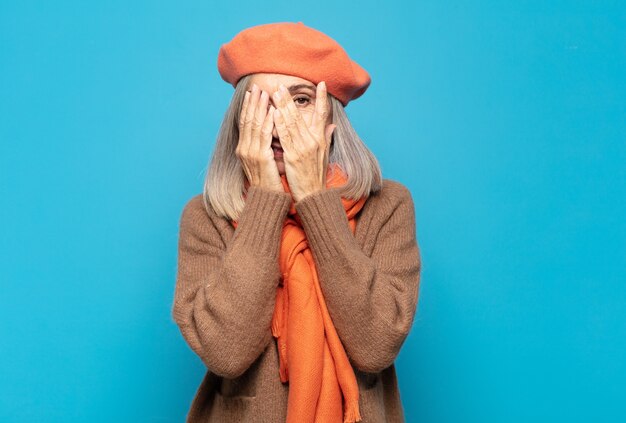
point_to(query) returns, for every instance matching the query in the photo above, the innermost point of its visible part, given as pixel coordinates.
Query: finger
(266, 132)
(247, 127)
(283, 132)
(257, 121)
(242, 145)
(242, 114)
(329, 134)
(321, 107)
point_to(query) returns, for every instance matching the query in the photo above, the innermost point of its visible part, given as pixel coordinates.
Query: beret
(293, 49)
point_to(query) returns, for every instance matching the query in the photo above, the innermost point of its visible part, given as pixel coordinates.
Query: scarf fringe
(276, 325)
(352, 414)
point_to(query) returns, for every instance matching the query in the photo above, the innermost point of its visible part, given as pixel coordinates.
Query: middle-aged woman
(296, 237)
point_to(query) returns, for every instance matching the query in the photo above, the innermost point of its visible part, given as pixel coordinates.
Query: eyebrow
(298, 86)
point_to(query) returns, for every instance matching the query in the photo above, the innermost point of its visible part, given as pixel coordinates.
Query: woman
(296, 239)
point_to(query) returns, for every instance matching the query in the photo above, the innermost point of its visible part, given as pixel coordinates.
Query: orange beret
(293, 49)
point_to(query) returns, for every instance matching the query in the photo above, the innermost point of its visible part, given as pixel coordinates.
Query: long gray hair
(225, 179)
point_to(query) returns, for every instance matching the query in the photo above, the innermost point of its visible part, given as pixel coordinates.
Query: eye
(306, 99)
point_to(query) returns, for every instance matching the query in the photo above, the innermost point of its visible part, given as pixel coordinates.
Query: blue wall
(507, 121)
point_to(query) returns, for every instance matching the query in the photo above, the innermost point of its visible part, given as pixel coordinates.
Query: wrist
(307, 193)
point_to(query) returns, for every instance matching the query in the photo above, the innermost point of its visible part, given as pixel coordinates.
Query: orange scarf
(312, 357)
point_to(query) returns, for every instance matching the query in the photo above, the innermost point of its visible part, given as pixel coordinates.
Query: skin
(300, 120)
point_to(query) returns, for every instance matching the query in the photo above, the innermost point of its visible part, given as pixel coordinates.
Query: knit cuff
(325, 223)
(261, 221)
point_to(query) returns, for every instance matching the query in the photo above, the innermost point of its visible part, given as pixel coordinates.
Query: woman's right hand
(255, 138)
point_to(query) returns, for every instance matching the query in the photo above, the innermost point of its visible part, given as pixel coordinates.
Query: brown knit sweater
(226, 286)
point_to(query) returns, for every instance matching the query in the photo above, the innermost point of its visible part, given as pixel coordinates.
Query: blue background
(506, 120)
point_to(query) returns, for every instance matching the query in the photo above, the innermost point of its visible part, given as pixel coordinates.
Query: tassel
(282, 340)
(283, 370)
(352, 412)
(277, 318)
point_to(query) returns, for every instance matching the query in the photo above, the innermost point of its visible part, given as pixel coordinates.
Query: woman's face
(303, 95)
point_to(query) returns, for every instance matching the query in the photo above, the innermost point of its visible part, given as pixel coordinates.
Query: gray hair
(225, 179)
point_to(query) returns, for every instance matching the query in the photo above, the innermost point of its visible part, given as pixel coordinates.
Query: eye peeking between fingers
(301, 100)
(305, 103)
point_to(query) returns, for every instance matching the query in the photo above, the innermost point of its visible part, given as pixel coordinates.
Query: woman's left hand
(305, 148)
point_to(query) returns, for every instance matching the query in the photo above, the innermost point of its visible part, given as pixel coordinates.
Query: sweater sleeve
(225, 292)
(372, 300)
